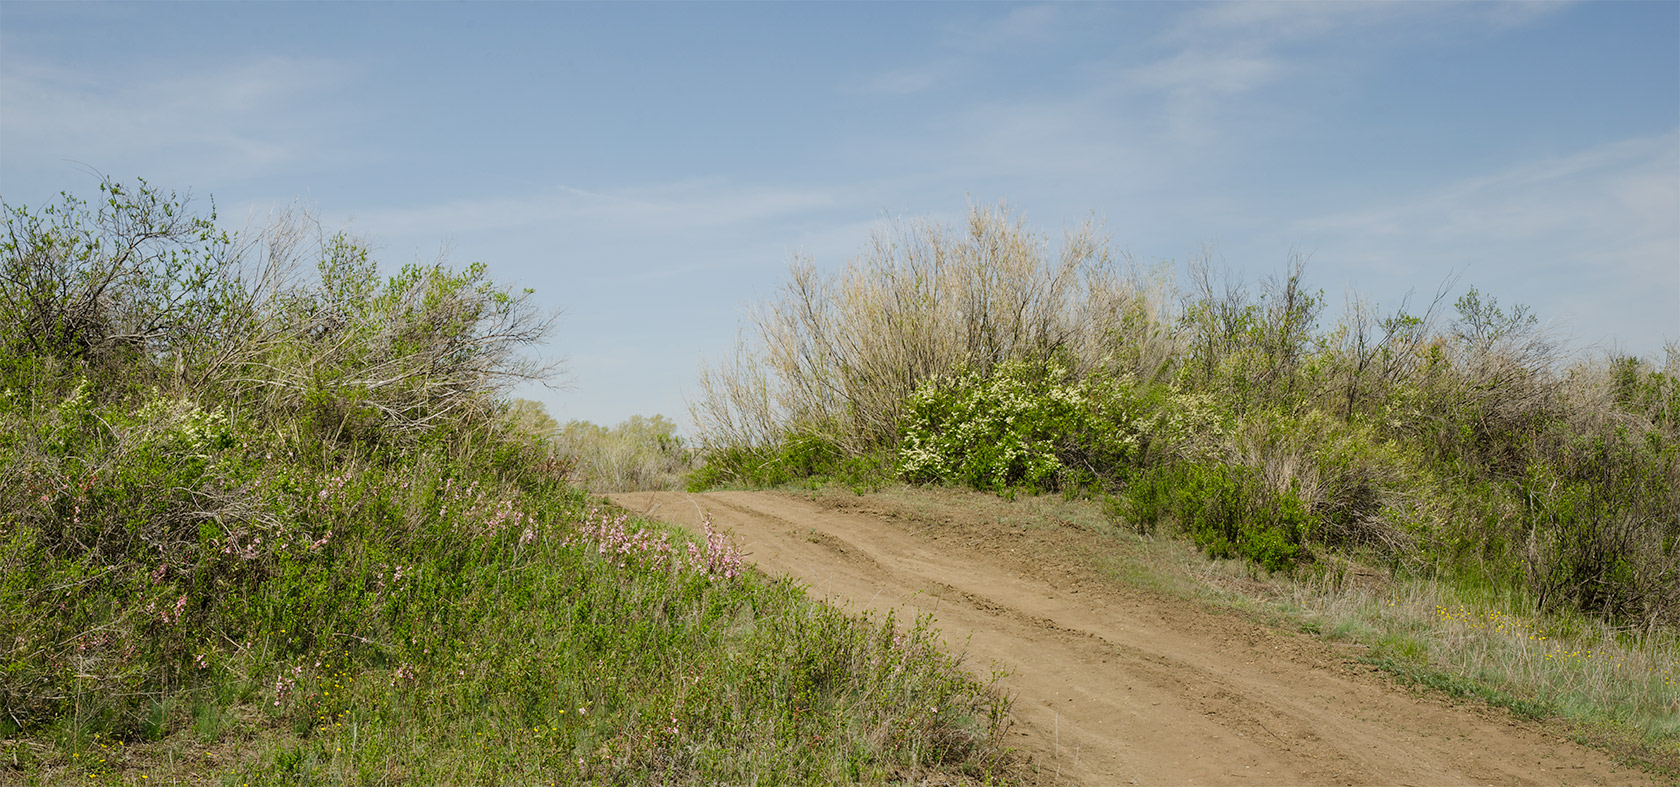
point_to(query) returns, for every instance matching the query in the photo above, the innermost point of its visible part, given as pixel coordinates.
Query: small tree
(136, 275)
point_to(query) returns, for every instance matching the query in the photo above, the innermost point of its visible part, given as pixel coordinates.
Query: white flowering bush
(180, 425)
(1032, 426)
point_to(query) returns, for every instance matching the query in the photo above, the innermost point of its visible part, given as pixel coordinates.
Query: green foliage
(1482, 324)
(605, 664)
(1650, 395)
(1251, 351)
(1463, 445)
(1032, 426)
(837, 353)
(803, 458)
(1225, 509)
(323, 536)
(366, 360)
(529, 417)
(135, 275)
(1408, 667)
(1601, 532)
(1352, 482)
(999, 432)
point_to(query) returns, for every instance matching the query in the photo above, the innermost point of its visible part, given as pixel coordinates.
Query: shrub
(1252, 352)
(800, 457)
(994, 434)
(1027, 425)
(1225, 509)
(136, 276)
(839, 355)
(1341, 471)
(1462, 439)
(1035, 426)
(326, 531)
(1600, 536)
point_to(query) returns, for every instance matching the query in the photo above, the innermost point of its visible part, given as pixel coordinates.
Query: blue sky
(651, 167)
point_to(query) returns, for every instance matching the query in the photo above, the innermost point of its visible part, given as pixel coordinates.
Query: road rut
(1116, 685)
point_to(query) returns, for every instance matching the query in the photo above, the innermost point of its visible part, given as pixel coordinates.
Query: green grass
(322, 550)
(799, 461)
(1613, 688)
(573, 666)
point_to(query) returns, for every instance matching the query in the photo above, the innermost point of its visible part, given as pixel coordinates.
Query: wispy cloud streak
(666, 209)
(252, 116)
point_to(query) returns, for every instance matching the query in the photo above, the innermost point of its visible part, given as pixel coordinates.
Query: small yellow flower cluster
(334, 691)
(100, 765)
(1492, 621)
(1501, 622)
(1577, 658)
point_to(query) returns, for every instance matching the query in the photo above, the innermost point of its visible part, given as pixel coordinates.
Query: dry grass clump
(1494, 646)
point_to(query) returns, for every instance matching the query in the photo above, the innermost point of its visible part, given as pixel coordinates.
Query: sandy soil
(1114, 684)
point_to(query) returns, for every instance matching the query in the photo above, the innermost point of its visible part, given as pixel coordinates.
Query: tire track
(1113, 686)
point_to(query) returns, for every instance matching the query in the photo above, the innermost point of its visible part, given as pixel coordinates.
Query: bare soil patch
(1119, 684)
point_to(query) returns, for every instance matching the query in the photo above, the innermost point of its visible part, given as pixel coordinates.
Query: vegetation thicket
(640, 453)
(1456, 442)
(266, 517)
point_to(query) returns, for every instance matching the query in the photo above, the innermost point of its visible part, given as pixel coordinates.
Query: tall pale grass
(1576, 666)
(837, 354)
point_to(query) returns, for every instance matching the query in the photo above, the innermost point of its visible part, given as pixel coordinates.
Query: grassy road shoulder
(1578, 679)
(267, 518)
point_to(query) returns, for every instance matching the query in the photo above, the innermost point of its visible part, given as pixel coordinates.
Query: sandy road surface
(1115, 685)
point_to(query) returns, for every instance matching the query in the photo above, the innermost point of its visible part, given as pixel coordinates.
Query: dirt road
(1118, 685)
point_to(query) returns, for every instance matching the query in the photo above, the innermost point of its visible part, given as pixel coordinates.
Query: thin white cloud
(1516, 13)
(963, 46)
(1074, 137)
(1628, 187)
(1592, 238)
(250, 117)
(1214, 56)
(1260, 27)
(1022, 25)
(1222, 50)
(1193, 72)
(1271, 23)
(909, 80)
(667, 208)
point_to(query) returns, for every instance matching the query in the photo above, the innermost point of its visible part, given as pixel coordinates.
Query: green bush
(800, 458)
(994, 433)
(324, 536)
(1225, 509)
(1032, 426)
(1459, 439)
(1600, 532)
